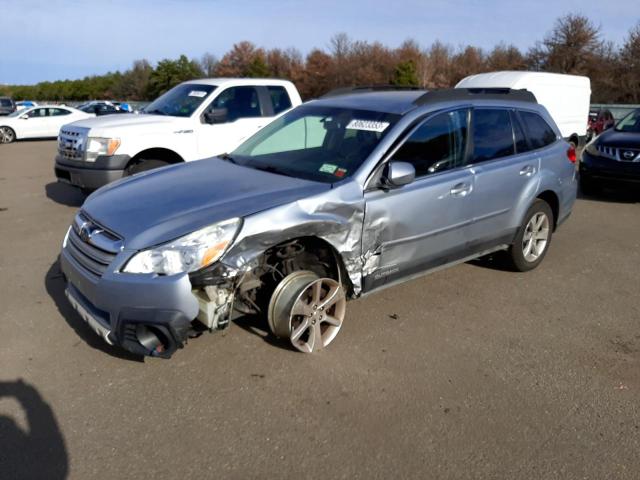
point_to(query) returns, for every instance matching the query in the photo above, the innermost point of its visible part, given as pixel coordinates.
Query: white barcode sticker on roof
(197, 93)
(368, 125)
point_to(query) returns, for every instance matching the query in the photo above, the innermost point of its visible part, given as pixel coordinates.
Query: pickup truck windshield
(323, 144)
(630, 123)
(180, 101)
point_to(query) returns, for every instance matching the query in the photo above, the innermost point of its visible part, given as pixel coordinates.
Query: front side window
(37, 113)
(180, 101)
(492, 134)
(324, 144)
(279, 99)
(240, 102)
(437, 145)
(630, 123)
(538, 131)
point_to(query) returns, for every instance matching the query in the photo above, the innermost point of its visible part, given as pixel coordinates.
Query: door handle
(528, 170)
(460, 190)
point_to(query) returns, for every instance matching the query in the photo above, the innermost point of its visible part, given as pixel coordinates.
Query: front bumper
(91, 175)
(122, 307)
(605, 169)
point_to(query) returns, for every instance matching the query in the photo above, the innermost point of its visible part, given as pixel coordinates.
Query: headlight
(100, 146)
(186, 254)
(592, 149)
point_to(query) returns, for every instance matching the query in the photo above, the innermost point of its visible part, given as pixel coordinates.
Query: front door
(424, 224)
(246, 114)
(36, 124)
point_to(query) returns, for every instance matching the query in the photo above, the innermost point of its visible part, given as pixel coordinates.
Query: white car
(194, 120)
(42, 121)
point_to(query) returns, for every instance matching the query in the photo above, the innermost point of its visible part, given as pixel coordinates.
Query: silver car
(340, 197)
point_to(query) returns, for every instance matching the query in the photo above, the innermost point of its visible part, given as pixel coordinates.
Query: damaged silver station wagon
(337, 198)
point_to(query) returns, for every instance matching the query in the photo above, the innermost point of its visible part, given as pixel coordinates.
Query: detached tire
(143, 166)
(7, 135)
(533, 238)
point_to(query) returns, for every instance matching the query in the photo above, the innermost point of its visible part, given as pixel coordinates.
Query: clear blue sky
(57, 39)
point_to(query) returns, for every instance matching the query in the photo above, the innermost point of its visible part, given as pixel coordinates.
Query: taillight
(571, 154)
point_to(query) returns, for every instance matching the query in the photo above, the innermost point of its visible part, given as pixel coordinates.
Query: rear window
(492, 134)
(538, 131)
(5, 102)
(279, 99)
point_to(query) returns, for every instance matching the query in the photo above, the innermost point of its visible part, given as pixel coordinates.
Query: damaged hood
(161, 205)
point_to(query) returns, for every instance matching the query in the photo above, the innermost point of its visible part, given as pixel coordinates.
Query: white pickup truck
(194, 120)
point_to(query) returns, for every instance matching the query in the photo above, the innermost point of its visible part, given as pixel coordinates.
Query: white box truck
(566, 97)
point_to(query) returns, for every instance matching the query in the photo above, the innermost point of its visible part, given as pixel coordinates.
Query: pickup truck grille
(91, 246)
(72, 143)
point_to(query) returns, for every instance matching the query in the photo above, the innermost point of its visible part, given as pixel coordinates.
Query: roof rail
(368, 88)
(451, 94)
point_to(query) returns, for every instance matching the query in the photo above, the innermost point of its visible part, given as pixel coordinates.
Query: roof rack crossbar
(368, 88)
(451, 94)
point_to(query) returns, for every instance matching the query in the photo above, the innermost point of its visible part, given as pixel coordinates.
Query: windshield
(630, 123)
(180, 101)
(324, 144)
(17, 113)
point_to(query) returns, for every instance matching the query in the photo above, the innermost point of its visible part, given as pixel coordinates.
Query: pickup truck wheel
(533, 238)
(7, 135)
(308, 310)
(144, 165)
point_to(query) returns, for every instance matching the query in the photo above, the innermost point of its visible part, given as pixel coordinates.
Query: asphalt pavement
(472, 372)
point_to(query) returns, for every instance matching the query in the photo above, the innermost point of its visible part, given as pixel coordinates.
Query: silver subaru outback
(342, 196)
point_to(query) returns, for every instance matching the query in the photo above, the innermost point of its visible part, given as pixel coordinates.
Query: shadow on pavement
(257, 325)
(55, 285)
(38, 452)
(64, 194)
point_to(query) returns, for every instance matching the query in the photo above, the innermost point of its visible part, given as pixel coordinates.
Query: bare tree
(629, 68)
(505, 57)
(208, 63)
(571, 45)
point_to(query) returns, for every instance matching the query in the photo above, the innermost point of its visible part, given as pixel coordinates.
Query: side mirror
(400, 173)
(24, 117)
(216, 115)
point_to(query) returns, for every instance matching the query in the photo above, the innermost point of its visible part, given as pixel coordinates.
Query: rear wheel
(533, 238)
(144, 165)
(308, 310)
(7, 135)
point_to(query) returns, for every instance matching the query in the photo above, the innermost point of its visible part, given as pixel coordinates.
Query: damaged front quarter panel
(335, 216)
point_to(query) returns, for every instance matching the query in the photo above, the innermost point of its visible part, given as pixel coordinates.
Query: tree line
(574, 45)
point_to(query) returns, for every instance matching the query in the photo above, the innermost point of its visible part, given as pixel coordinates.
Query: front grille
(620, 154)
(71, 143)
(91, 246)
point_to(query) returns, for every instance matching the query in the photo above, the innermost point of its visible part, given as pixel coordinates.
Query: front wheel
(533, 238)
(143, 166)
(308, 310)
(7, 135)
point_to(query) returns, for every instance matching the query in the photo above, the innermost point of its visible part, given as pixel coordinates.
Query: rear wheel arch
(551, 198)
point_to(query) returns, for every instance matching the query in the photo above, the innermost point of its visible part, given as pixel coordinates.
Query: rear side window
(56, 112)
(538, 131)
(279, 99)
(437, 145)
(240, 102)
(492, 134)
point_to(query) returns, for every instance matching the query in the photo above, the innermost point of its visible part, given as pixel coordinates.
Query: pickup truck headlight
(186, 254)
(100, 146)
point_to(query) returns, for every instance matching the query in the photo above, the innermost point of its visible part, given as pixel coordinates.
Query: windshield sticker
(368, 125)
(341, 172)
(328, 168)
(197, 93)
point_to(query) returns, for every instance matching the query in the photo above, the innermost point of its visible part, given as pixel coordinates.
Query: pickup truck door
(424, 224)
(248, 109)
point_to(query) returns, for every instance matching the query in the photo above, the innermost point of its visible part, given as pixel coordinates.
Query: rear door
(423, 224)
(248, 108)
(506, 171)
(57, 118)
